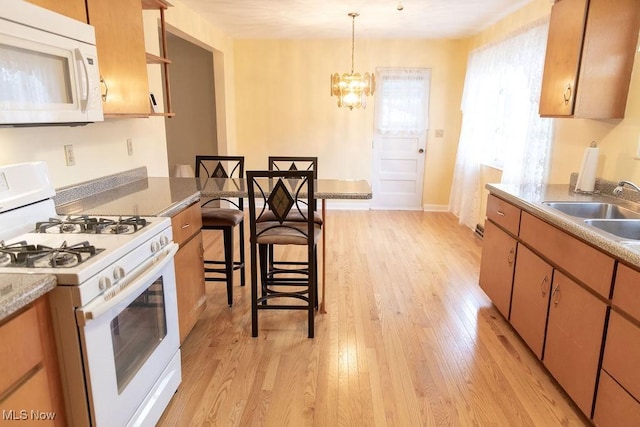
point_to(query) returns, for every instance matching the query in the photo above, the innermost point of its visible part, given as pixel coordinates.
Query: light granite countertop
(530, 199)
(152, 196)
(18, 290)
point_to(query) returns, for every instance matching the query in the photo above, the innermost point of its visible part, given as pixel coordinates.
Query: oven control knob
(104, 283)
(155, 246)
(118, 273)
(164, 240)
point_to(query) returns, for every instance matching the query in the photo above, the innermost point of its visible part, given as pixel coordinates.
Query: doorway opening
(193, 130)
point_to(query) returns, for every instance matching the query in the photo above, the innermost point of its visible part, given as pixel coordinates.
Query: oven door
(129, 337)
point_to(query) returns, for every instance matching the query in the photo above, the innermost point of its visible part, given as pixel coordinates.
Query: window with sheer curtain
(500, 122)
(402, 104)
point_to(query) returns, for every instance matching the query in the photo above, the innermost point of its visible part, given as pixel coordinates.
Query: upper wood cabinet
(121, 56)
(75, 9)
(589, 59)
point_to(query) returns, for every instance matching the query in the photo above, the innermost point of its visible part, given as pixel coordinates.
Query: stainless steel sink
(593, 210)
(625, 228)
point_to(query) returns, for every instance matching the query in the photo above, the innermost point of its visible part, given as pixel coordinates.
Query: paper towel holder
(587, 176)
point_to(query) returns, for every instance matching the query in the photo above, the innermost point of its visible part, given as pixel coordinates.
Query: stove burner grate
(84, 224)
(21, 254)
(9, 253)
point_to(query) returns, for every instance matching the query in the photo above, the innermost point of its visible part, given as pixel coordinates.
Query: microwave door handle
(84, 81)
(141, 274)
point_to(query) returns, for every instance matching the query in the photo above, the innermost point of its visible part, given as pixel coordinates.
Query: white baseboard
(435, 208)
(348, 205)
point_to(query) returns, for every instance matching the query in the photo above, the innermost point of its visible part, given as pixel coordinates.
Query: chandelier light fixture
(352, 88)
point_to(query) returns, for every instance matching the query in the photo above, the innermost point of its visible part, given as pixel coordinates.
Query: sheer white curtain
(402, 105)
(500, 122)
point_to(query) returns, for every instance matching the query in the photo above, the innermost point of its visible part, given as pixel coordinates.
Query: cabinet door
(608, 53)
(496, 267)
(189, 262)
(564, 48)
(121, 56)
(614, 406)
(72, 8)
(574, 339)
(530, 301)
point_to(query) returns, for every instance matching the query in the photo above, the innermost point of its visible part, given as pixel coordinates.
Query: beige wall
(284, 105)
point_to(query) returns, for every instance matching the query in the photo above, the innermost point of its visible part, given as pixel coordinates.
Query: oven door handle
(129, 285)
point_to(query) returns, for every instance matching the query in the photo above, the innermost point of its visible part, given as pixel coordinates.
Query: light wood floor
(409, 340)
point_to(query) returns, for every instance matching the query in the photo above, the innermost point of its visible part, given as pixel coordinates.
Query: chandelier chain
(353, 37)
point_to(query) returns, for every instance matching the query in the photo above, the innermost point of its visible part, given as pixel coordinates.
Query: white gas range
(114, 310)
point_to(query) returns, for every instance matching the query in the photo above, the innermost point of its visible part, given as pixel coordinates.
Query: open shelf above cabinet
(163, 59)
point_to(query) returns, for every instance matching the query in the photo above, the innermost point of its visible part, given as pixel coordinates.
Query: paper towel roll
(587, 176)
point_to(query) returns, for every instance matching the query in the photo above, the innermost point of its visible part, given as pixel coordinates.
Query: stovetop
(77, 248)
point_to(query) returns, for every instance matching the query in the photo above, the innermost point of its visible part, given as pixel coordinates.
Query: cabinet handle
(567, 94)
(556, 294)
(187, 225)
(500, 213)
(106, 88)
(512, 256)
(542, 287)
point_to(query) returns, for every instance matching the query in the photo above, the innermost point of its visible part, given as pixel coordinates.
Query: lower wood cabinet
(30, 386)
(189, 264)
(530, 300)
(496, 267)
(614, 406)
(574, 339)
(190, 282)
(618, 398)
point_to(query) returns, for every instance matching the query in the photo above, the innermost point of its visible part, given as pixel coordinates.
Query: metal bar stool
(281, 194)
(215, 217)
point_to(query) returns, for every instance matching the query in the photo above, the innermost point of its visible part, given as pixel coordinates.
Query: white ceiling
(423, 19)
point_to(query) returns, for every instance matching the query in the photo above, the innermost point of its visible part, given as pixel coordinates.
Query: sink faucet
(618, 190)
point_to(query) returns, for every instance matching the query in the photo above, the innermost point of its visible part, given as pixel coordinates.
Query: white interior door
(398, 172)
(400, 134)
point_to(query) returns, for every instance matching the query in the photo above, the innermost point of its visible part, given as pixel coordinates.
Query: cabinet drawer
(587, 264)
(504, 214)
(21, 350)
(626, 292)
(622, 353)
(186, 223)
(33, 395)
(614, 406)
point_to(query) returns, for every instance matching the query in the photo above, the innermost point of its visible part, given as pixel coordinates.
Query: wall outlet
(439, 133)
(69, 157)
(130, 147)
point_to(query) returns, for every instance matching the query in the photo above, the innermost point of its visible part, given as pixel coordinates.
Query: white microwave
(48, 68)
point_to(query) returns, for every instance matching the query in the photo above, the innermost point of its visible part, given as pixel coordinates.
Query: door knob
(421, 150)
